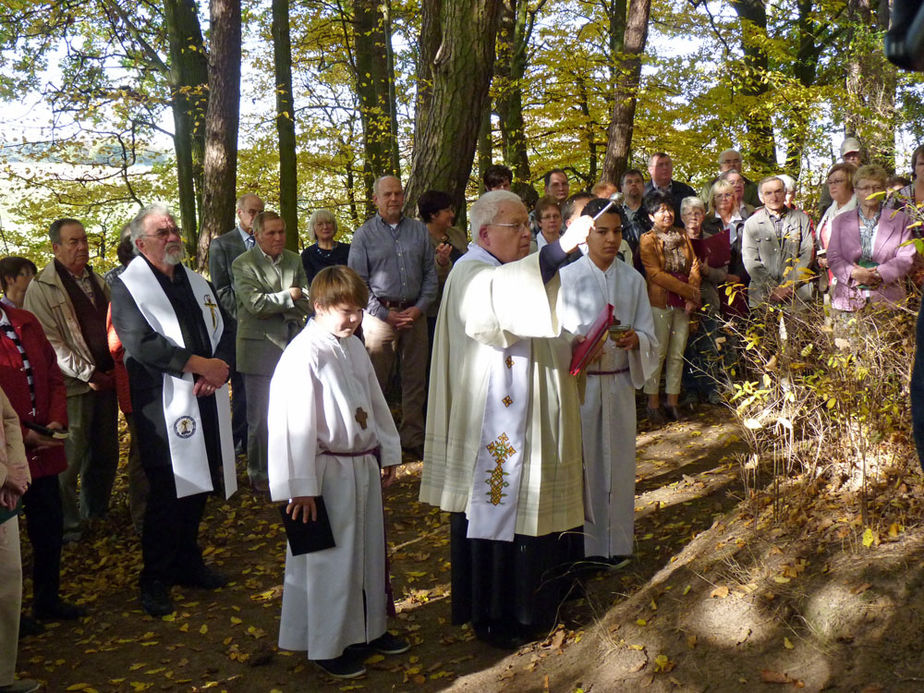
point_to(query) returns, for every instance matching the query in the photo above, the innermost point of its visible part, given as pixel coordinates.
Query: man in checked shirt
(394, 257)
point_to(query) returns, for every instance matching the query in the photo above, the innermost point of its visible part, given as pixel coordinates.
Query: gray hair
(486, 208)
(137, 224)
(378, 181)
(242, 200)
(728, 151)
(690, 202)
(788, 182)
(319, 215)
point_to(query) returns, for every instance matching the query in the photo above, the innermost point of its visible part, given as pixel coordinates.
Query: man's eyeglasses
(161, 234)
(514, 225)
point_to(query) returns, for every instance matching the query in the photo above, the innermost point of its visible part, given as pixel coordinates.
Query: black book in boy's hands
(306, 537)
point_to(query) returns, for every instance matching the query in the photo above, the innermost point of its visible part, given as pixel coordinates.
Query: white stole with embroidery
(188, 455)
(492, 511)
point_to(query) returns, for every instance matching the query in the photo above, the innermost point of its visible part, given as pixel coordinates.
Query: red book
(595, 335)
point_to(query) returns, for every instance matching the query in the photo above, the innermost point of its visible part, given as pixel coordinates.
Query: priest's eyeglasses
(164, 233)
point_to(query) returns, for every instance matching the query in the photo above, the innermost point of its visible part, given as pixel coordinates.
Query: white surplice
(316, 393)
(608, 410)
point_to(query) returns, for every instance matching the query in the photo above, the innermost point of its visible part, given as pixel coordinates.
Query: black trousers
(518, 583)
(45, 526)
(170, 537)
(238, 410)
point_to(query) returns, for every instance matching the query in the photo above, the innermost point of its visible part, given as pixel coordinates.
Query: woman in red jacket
(30, 377)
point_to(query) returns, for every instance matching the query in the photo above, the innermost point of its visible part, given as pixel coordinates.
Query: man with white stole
(628, 358)
(502, 450)
(178, 344)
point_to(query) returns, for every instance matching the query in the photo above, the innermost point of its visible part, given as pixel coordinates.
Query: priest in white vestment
(502, 450)
(628, 359)
(330, 431)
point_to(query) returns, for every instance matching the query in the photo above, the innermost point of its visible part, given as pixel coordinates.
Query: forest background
(108, 107)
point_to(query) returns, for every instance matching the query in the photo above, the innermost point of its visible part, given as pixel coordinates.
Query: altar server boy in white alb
(608, 410)
(331, 434)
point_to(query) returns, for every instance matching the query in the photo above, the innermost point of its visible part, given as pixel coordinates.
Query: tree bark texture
(627, 75)
(285, 122)
(221, 124)
(871, 83)
(515, 26)
(759, 140)
(461, 67)
(375, 88)
(188, 80)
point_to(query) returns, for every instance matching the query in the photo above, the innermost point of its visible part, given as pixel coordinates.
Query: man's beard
(174, 255)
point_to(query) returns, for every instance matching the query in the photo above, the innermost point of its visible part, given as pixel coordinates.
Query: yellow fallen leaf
(641, 622)
(780, 579)
(235, 621)
(868, 537)
(78, 687)
(894, 529)
(787, 643)
(203, 629)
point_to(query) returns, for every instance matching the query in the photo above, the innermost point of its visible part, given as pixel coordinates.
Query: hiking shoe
(203, 577)
(342, 667)
(389, 644)
(155, 599)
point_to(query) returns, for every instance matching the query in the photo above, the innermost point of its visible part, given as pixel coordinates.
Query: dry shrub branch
(822, 402)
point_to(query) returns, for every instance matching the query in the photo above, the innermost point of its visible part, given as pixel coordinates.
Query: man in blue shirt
(394, 257)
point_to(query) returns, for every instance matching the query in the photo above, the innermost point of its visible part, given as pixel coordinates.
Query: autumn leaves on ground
(730, 590)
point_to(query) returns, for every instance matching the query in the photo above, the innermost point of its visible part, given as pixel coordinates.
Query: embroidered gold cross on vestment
(212, 306)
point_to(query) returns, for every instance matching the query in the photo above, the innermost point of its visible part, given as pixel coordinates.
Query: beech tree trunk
(515, 26)
(871, 82)
(375, 88)
(760, 145)
(221, 124)
(188, 79)
(626, 75)
(285, 122)
(461, 70)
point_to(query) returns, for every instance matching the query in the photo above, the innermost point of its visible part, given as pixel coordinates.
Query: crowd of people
(474, 335)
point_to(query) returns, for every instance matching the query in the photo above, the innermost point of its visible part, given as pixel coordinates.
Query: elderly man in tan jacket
(71, 301)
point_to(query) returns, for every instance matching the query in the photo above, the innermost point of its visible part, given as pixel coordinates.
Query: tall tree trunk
(805, 69)
(515, 26)
(285, 122)
(375, 88)
(188, 79)
(626, 75)
(590, 137)
(759, 139)
(485, 143)
(221, 124)
(871, 82)
(461, 67)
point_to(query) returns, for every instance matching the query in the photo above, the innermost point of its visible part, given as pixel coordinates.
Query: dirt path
(226, 640)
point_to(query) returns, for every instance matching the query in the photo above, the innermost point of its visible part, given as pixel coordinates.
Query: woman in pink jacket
(866, 254)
